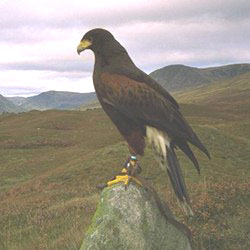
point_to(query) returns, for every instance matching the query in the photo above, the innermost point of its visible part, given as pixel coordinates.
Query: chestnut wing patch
(138, 101)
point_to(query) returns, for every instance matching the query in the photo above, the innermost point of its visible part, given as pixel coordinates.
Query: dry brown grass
(48, 177)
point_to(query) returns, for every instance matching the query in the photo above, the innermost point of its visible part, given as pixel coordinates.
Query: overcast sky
(38, 38)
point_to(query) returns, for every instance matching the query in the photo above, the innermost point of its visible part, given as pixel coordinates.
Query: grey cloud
(51, 65)
(157, 33)
(195, 59)
(157, 11)
(17, 90)
(23, 27)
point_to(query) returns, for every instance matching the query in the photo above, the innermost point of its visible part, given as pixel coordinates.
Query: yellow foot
(123, 178)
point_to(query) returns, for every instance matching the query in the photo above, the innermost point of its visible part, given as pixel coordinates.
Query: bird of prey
(140, 108)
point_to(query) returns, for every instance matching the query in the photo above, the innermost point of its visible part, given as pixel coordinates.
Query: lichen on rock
(132, 219)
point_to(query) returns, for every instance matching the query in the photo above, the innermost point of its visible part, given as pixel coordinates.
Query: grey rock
(134, 219)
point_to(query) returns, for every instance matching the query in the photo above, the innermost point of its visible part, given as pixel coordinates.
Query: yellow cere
(85, 44)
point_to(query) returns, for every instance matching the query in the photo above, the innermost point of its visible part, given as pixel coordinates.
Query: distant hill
(231, 95)
(57, 100)
(90, 105)
(18, 100)
(173, 78)
(178, 77)
(8, 106)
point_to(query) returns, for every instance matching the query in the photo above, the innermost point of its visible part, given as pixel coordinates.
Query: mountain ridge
(18, 100)
(174, 78)
(8, 106)
(57, 100)
(177, 77)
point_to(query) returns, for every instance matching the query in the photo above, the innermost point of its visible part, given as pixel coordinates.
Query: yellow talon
(123, 178)
(119, 178)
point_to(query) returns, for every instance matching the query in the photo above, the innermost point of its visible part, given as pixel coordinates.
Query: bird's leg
(128, 173)
(132, 166)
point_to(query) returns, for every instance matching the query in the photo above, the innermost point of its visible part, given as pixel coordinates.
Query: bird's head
(95, 40)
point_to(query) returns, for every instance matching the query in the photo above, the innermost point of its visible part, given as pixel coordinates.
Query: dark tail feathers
(196, 141)
(187, 150)
(177, 180)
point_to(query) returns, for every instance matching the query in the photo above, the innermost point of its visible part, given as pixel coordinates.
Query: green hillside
(18, 100)
(232, 92)
(51, 161)
(8, 106)
(179, 77)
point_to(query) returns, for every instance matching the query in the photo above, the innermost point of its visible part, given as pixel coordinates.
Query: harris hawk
(140, 108)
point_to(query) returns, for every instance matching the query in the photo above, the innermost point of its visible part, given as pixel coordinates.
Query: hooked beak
(84, 44)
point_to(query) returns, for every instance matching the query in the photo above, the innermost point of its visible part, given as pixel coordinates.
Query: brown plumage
(140, 107)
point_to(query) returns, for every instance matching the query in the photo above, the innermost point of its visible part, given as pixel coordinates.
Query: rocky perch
(134, 219)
